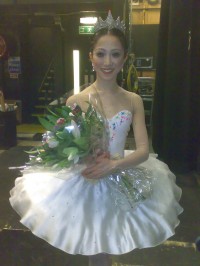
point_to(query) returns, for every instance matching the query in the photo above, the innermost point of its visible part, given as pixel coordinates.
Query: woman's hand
(100, 167)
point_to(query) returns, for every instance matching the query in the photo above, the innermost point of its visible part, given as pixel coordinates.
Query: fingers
(98, 168)
(96, 174)
(105, 155)
(95, 171)
(88, 170)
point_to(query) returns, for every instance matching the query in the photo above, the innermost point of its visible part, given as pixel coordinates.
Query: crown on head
(109, 23)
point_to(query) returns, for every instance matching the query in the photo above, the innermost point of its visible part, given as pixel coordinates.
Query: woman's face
(108, 57)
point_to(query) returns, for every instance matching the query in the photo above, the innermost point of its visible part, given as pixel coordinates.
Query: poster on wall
(14, 67)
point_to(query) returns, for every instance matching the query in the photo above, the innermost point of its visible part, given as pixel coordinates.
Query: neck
(106, 86)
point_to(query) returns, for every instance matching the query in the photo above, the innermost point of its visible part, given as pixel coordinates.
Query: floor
(178, 250)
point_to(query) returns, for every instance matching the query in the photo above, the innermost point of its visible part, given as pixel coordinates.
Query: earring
(92, 67)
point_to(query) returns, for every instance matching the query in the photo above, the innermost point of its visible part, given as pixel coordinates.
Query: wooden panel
(152, 17)
(145, 5)
(138, 17)
(145, 13)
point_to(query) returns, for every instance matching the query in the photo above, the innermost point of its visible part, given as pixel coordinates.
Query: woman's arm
(141, 153)
(81, 99)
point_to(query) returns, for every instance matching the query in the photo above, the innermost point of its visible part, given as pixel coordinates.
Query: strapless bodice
(119, 126)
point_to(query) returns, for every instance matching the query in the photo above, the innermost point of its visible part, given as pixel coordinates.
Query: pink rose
(60, 121)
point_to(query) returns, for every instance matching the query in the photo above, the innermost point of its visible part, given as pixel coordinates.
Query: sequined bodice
(119, 126)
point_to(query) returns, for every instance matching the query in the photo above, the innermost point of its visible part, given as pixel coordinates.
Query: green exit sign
(86, 29)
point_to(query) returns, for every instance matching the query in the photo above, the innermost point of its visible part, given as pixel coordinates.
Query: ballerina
(78, 215)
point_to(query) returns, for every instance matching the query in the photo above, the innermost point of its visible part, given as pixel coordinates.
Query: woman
(96, 219)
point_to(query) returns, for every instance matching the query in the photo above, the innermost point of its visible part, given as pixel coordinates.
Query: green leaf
(62, 164)
(36, 150)
(51, 112)
(82, 142)
(32, 152)
(60, 151)
(46, 124)
(64, 111)
(53, 119)
(64, 135)
(70, 151)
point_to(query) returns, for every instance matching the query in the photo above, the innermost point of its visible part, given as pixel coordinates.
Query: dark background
(32, 33)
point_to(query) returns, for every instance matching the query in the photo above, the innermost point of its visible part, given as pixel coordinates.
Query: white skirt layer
(79, 216)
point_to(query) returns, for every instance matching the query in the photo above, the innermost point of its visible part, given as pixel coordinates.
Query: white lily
(52, 143)
(76, 131)
(72, 153)
(74, 158)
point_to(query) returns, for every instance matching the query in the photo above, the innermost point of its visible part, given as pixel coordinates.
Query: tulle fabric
(79, 216)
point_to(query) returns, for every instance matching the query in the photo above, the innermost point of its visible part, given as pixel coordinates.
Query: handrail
(46, 74)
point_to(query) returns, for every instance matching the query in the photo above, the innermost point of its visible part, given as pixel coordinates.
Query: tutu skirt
(79, 216)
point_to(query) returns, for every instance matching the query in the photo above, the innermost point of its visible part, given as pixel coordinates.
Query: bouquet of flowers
(70, 138)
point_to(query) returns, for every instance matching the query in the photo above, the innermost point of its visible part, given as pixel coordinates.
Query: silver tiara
(109, 23)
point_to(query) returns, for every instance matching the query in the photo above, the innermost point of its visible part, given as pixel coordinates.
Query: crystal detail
(109, 23)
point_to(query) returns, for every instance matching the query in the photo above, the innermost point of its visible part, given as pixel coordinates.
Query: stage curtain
(176, 108)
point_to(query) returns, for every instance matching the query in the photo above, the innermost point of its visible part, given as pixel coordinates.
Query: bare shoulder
(135, 97)
(79, 98)
(71, 100)
(128, 93)
(134, 100)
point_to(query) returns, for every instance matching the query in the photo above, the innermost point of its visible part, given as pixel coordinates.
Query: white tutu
(79, 216)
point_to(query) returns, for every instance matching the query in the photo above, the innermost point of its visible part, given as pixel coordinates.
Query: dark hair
(114, 32)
